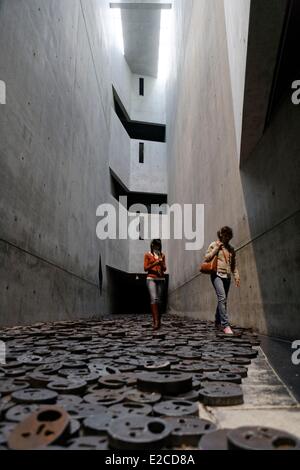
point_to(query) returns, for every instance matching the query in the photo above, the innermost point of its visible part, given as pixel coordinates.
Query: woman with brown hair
(221, 279)
(155, 266)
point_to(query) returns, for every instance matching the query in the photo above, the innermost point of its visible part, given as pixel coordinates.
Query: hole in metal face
(282, 443)
(49, 415)
(156, 427)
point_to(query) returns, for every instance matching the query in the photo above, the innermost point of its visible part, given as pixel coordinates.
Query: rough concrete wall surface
(54, 141)
(237, 27)
(150, 107)
(260, 200)
(150, 176)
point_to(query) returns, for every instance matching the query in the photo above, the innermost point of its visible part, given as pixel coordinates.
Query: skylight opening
(164, 63)
(117, 28)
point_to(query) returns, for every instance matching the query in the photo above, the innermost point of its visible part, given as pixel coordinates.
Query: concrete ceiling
(141, 32)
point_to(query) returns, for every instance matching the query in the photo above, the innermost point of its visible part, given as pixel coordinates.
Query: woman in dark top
(155, 266)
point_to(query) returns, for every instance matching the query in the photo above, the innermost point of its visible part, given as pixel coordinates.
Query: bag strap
(227, 260)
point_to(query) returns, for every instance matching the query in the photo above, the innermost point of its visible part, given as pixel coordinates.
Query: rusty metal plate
(172, 382)
(105, 397)
(89, 443)
(49, 369)
(73, 364)
(66, 400)
(239, 361)
(31, 360)
(221, 394)
(156, 365)
(99, 423)
(9, 386)
(196, 368)
(34, 395)
(138, 433)
(5, 429)
(216, 440)
(69, 385)
(137, 396)
(193, 395)
(131, 409)
(82, 411)
(234, 369)
(189, 430)
(175, 408)
(223, 377)
(77, 374)
(20, 412)
(116, 381)
(261, 438)
(248, 353)
(19, 372)
(41, 428)
(102, 369)
(38, 380)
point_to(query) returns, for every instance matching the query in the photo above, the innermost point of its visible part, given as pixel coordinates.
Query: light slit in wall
(141, 152)
(142, 87)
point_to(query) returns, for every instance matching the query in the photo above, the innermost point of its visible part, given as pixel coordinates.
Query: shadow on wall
(270, 180)
(270, 174)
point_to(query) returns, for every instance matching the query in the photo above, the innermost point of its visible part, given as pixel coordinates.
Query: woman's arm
(163, 263)
(147, 263)
(234, 268)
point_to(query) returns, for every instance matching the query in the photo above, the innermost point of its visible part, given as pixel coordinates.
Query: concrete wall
(152, 106)
(150, 176)
(260, 200)
(120, 151)
(118, 248)
(54, 144)
(121, 73)
(237, 14)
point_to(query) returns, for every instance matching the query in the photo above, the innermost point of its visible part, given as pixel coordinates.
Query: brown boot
(159, 307)
(155, 316)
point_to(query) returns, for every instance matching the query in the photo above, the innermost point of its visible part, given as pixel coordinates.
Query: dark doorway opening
(128, 293)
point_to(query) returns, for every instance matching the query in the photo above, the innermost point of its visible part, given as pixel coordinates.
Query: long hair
(225, 231)
(156, 243)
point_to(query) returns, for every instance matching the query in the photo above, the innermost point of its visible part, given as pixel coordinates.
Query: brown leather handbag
(210, 267)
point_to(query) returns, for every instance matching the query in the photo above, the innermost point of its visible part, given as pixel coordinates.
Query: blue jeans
(222, 287)
(156, 291)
